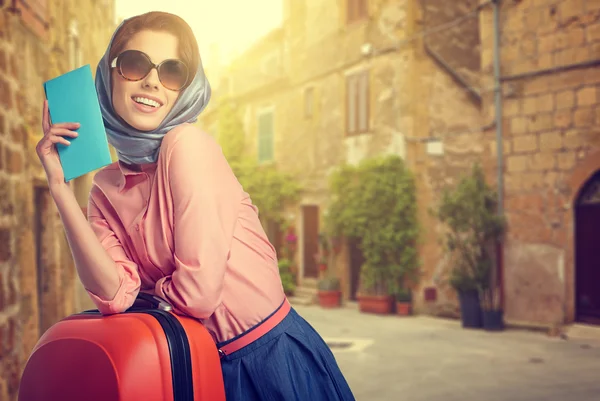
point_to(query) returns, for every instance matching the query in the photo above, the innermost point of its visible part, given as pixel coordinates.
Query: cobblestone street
(427, 359)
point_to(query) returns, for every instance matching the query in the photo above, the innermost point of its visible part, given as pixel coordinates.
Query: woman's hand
(46, 147)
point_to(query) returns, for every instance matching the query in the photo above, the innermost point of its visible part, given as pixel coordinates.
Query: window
(308, 102)
(265, 137)
(357, 103)
(34, 15)
(356, 10)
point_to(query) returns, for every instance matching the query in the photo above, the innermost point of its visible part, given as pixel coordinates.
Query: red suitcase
(146, 353)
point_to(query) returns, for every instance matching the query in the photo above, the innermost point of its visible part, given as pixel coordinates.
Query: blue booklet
(72, 97)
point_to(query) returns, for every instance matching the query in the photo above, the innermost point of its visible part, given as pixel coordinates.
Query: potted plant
(474, 229)
(328, 292)
(492, 313)
(403, 302)
(374, 203)
(374, 295)
(468, 298)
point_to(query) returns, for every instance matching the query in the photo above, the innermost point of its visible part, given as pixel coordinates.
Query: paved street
(425, 359)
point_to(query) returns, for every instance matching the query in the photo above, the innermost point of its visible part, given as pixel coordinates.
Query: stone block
(546, 44)
(545, 102)
(543, 161)
(525, 143)
(584, 117)
(518, 125)
(563, 118)
(531, 180)
(3, 62)
(565, 99)
(517, 163)
(6, 246)
(587, 96)
(6, 93)
(572, 55)
(540, 122)
(574, 139)
(545, 61)
(15, 162)
(566, 160)
(592, 5)
(571, 38)
(593, 33)
(512, 108)
(529, 105)
(528, 47)
(571, 9)
(551, 140)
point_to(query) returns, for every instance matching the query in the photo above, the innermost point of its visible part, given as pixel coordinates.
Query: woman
(170, 218)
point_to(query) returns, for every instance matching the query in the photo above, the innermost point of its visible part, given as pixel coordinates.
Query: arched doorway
(587, 252)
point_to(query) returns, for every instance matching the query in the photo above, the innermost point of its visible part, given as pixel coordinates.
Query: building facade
(39, 40)
(415, 78)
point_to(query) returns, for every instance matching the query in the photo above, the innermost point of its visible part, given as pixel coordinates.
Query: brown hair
(160, 21)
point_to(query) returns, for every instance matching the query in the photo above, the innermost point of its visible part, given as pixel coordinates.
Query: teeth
(146, 101)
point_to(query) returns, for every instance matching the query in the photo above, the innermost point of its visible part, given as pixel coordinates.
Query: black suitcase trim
(179, 351)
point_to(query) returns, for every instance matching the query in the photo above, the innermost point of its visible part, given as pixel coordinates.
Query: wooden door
(310, 236)
(587, 237)
(587, 260)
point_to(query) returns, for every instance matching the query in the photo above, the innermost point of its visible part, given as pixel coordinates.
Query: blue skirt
(289, 363)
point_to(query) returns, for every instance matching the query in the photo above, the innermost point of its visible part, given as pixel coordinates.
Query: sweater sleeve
(128, 270)
(206, 199)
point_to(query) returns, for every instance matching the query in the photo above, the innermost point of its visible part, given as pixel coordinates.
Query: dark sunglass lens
(134, 65)
(173, 74)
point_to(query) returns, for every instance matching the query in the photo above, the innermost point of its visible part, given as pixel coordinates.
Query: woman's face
(128, 96)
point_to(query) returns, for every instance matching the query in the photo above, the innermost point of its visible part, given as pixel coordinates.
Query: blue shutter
(265, 137)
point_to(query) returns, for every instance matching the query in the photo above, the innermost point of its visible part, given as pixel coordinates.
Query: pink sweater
(184, 229)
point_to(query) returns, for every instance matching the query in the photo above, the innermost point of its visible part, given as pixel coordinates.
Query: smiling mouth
(146, 101)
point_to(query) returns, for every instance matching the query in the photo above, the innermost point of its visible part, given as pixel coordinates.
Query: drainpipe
(499, 146)
(498, 103)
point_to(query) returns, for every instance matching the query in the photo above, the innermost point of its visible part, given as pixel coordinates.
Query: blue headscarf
(140, 147)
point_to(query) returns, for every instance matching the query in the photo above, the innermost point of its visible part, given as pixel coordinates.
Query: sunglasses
(134, 65)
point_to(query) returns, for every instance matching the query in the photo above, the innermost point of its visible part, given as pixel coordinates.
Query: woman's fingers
(67, 125)
(60, 131)
(58, 139)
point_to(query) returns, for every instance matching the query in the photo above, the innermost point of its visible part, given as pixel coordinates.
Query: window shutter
(363, 102)
(265, 137)
(351, 100)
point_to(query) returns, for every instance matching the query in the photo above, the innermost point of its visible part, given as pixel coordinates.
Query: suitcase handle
(156, 302)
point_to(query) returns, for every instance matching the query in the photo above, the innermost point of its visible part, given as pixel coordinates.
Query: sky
(233, 25)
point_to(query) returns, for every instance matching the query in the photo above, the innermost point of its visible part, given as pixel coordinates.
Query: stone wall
(551, 135)
(418, 109)
(38, 282)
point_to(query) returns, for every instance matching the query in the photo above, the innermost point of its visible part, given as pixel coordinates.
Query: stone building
(342, 80)
(550, 57)
(357, 82)
(38, 283)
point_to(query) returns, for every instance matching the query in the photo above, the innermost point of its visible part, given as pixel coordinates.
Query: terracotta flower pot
(379, 304)
(403, 308)
(329, 299)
